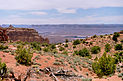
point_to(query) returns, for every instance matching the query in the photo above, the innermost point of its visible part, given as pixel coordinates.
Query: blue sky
(61, 12)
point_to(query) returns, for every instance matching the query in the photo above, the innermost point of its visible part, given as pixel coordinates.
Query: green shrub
(65, 52)
(46, 49)
(118, 57)
(86, 79)
(107, 47)
(23, 56)
(56, 63)
(76, 53)
(118, 47)
(53, 46)
(104, 66)
(3, 69)
(96, 58)
(120, 74)
(114, 38)
(101, 36)
(95, 49)
(84, 52)
(121, 41)
(76, 42)
(61, 49)
(66, 40)
(3, 47)
(66, 45)
(74, 46)
(55, 51)
(116, 34)
(91, 43)
(94, 36)
(36, 46)
(45, 44)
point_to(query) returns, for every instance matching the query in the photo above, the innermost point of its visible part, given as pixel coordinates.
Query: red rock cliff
(24, 34)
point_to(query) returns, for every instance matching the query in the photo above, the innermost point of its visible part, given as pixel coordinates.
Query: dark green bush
(95, 49)
(66, 40)
(104, 66)
(36, 46)
(23, 56)
(94, 36)
(74, 46)
(61, 49)
(121, 41)
(46, 49)
(91, 43)
(118, 47)
(118, 57)
(53, 46)
(3, 47)
(107, 47)
(45, 44)
(116, 34)
(55, 51)
(65, 52)
(76, 52)
(84, 52)
(101, 36)
(76, 42)
(3, 69)
(114, 38)
(66, 45)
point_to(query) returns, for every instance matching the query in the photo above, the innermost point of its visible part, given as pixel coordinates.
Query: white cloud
(67, 10)
(59, 4)
(37, 13)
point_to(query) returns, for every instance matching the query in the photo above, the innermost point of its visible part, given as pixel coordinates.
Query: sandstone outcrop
(3, 34)
(24, 34)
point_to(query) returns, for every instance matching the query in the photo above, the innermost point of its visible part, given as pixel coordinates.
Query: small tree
(118, 57)
(3, 69)
(107, 47)
(94, 36)
(66, 40)
(95, 49)
(104, 66)
(53, 46)
(66, 45)
(23, 56)
(61, 49)
(84, 52)
(36, 46)
(116, 34)
(118, 47)
(46, 49)
(3, 47)
(74, 46)
(76, 42)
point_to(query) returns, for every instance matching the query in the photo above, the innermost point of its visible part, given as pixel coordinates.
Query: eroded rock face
(3, 34)
(24, 34)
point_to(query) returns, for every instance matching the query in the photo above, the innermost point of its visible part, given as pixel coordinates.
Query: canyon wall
(24, 34)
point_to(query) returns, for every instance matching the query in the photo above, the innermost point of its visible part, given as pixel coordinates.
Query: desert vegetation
(92, 59)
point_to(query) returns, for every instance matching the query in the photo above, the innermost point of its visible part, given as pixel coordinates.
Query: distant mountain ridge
(59, 32)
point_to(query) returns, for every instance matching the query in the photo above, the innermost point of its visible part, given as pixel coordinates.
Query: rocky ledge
(24, 34)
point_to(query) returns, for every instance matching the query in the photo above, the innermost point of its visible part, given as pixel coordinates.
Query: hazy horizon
(61, 12)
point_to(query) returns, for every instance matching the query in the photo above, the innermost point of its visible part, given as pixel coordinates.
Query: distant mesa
(22, 34)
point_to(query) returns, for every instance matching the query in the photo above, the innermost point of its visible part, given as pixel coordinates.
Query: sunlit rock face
(24, 34)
